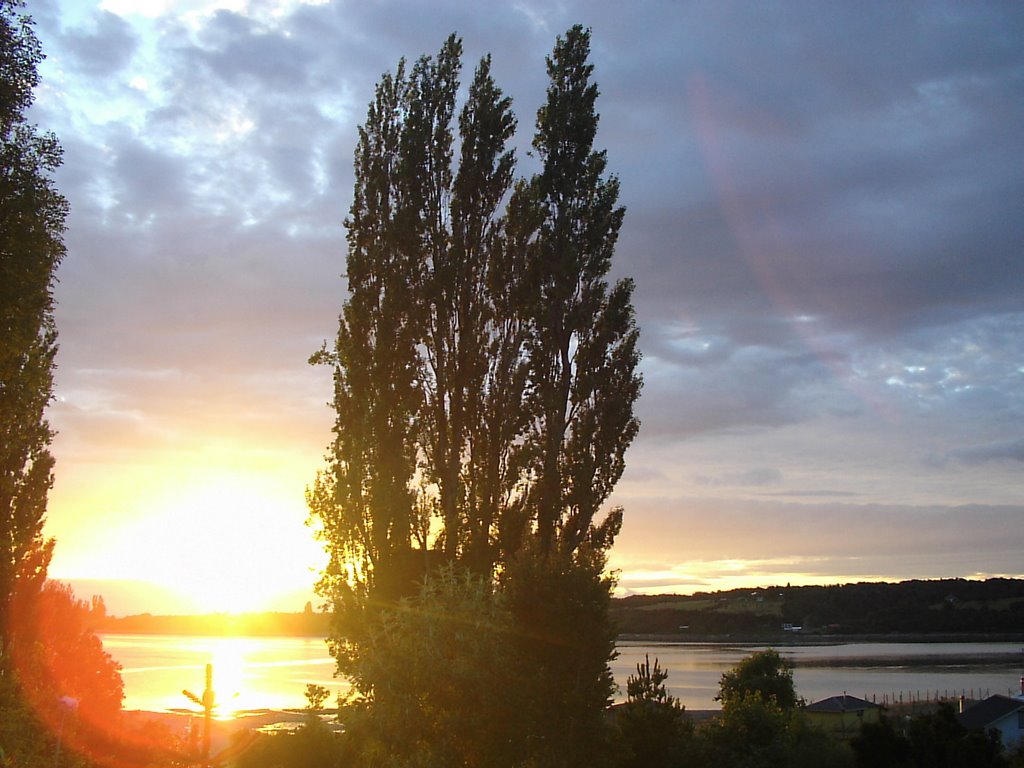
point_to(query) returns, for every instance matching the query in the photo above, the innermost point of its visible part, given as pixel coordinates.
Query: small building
(842, 716)
(1002, 713)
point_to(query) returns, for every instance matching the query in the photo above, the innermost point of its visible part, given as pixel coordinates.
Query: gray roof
(839, 704)
(988, 711)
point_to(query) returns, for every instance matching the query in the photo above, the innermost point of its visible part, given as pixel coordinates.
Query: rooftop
(989, 710)
(840, 704)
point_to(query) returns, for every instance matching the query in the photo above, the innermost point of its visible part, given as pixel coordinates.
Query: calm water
(860, 669)
(248, 672)
(272, 672)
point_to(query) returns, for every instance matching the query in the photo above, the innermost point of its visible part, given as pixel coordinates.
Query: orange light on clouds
(721, 575)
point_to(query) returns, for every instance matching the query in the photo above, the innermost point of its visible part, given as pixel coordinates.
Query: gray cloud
(688, 529)
(821, 223)
(750, 477)
(105, 47)
(1009, 450)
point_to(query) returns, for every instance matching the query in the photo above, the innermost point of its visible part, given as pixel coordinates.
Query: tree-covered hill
(307, 624)
(945, 606)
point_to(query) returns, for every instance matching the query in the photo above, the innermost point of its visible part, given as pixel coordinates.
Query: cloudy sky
(824, 225)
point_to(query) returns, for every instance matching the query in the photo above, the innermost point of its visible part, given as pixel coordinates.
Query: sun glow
(229, 674)
(221, 541)
(217, 548)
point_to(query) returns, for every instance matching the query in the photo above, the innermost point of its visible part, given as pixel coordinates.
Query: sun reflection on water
(249, 673)
(229, 677)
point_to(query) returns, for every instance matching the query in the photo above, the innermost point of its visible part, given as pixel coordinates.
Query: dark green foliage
(915, 607)
(648, 685)
(750, 731)
(311, 746)
(756, 733)
(559, 608)
(452, 677)
(945, 605)
(937, 740)
(760, 726)
(316, 695)
(485, 378)
(652, 724)
(582, 345)
(454, 680)
(427, 370)
(55, 655)
(32, 216)
(878, 745)
(764, 674)
(24, 740)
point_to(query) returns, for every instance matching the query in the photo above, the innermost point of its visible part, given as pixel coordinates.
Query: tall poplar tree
(583, 344)
(32, 214)
(485, 375)
(427, 364)
(582, 361)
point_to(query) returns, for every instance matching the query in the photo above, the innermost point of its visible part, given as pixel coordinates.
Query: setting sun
(217, 540)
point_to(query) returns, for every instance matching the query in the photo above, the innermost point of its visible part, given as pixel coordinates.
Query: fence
(932, 698)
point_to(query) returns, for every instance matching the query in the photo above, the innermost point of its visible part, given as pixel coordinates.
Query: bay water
(251, 673)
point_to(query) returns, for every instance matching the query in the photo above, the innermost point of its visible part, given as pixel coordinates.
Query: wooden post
(207, 702)
(208, 697)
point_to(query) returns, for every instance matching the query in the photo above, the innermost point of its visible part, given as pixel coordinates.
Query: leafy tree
(426, 367)
(71, 685)
(765, 674)
(454, 701)
(935, 739)
(316, 695)
(485, 377)
(581, 359)
(582, 347)
(938, 740)
(559, 608)
(311, 746)
(32, 215)
(878, 745)
(751, 731)
(760, 725)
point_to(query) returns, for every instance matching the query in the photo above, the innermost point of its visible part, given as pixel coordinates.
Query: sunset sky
(824, 224)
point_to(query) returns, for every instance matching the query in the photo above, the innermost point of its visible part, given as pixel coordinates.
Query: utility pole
(207, 703)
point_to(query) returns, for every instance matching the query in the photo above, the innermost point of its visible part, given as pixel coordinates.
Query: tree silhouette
(764, 674)
(71, 686)
(582, 347)
(485, 377)
(32, 214)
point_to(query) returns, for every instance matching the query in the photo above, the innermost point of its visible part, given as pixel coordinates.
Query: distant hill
(939, 607)
(306, 624)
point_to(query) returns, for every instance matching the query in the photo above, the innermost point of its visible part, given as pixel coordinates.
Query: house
(842, 716)
(1003, 713)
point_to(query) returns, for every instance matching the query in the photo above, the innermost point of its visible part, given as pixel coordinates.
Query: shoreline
(799, 639)
(182, 719)
(178, 725)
